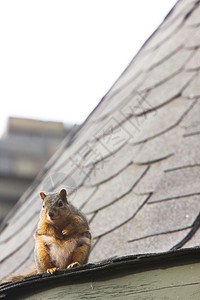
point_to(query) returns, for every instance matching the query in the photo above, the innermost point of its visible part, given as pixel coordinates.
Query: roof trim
(113, 267)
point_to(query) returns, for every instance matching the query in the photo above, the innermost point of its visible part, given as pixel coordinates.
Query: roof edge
(110, 268)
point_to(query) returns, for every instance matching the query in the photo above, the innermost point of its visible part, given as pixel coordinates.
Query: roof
(134, 165)
(170, 275)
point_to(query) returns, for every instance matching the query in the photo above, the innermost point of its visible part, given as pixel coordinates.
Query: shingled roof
(134, 165)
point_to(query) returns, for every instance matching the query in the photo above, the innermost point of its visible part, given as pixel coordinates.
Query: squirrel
(63, 239)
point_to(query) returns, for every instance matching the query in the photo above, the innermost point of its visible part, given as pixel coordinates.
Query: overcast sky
(58, 58)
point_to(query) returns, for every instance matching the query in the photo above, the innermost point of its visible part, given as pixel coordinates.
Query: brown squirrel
(62, 239)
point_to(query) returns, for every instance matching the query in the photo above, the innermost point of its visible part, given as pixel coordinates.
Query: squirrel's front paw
(72, 265)
(52, 270)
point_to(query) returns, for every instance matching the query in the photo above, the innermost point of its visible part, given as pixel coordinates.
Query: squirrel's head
(55, 206)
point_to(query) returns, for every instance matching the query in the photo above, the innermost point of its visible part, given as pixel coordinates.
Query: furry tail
(19, 277)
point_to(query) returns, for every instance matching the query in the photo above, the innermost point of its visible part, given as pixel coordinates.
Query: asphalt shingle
(133, 167)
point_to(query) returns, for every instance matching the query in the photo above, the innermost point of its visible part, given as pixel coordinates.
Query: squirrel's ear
(63, 194)
(42, 195)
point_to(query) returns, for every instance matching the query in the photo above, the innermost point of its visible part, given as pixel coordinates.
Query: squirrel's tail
(19, 277)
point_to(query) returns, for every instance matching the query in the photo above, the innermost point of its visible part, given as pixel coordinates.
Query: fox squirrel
(62, 239)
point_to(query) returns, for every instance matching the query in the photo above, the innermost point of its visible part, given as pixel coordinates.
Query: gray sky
(59, 58)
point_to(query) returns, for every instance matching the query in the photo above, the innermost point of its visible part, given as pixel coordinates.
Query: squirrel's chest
(60, 252)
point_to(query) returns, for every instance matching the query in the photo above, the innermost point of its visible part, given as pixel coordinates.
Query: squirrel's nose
(51, 214)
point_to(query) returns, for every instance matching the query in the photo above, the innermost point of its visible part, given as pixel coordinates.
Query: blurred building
(24, 149)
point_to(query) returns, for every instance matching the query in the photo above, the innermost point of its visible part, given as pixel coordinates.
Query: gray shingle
(166, 69)
(194, 62)
(82, 195)
(149, 182)
(185, 154)
(157, 122)
(112, 165)
(115, 188)
(194, 38)
(26, 214)
(160, 147)
(18, 259)
(194, 20)
(115, 244)
(165, 216)
(116, 214)
(193, 241)
(193, 89)
(177, 183)
(191, 122)
(180, 10)
(169, 89)
(17, 240)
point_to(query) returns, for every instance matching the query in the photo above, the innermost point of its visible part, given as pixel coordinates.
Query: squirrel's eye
(43, 206)
(60, 203)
